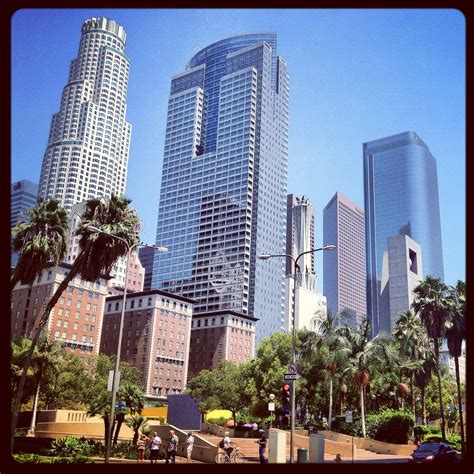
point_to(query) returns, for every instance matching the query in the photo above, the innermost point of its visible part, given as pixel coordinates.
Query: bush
(70, 447)
(352, 429)
(221, 421)
(36, 459)
(421, 431)
(390, 426)
(453, 440)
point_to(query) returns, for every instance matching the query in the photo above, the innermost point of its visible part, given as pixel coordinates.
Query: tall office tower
(23, 196)
(89, 139)
(146, 255)
(344, 268)
(401, 198)
(223, 190)
(300, 238)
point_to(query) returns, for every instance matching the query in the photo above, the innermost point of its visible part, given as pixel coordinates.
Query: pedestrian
(262, 444)
(141, 445)
(155, 448)
(189, 447)
(172, 447)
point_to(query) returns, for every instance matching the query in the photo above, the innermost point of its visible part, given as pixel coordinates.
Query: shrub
(352, 429)
(453, 440)
(70, 447)
(218, 421)
(124, 449)
(36, 459)
(390, 426)
(421, 431)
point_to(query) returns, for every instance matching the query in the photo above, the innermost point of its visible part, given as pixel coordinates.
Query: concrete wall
(216, 429)
(88, 430)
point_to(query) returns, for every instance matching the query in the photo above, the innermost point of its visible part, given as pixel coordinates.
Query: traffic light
(285, 398)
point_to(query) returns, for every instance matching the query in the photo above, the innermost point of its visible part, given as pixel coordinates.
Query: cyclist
(227, 445)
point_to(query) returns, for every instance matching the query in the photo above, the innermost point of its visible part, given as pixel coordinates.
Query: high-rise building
(401, 197)
(76, 319)
(89, 139)
(146, 255)
(302, 300)
(223, 190)
(23, 196)
(344, 268)
(155, 338)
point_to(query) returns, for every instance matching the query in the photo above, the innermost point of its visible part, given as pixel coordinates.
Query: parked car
(433, 453)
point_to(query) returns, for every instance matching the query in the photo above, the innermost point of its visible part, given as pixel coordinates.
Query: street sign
(120, 405)
(290, 376)
(348, 416)
(292, 368)
(110, 381)
(271, 406)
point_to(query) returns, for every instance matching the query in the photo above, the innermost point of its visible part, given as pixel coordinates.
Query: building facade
(76, 319)
(401, 197)
(89, 139)
(344, 268)
(223, 190)
(23, 196)
(220, 335)
(146, 255)
(402, 270)
(155, 338)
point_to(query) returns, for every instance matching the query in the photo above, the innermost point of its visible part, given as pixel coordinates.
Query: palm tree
(46, 357)
(431, 304)
(134, 398)
(364, 354)
(100, 405)
(136, 423)
(40, 239)
(98, 254)
(455, 335)
(410, 334)
(423, 370)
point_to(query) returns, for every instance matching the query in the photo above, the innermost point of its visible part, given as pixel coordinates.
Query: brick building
(76, 319)
(156, 334)
(220, 335)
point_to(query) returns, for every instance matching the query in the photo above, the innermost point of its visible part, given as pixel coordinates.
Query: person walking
(262, 444)
(155, 448)
(172, 447)
(141, 445)
(189, 447)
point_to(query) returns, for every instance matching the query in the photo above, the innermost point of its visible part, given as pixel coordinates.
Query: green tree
(41, 237)
(431, 304)
(455, 335)
(364, 354)
(134, 399)
(137, 423)
(98, 254)
(411, 336)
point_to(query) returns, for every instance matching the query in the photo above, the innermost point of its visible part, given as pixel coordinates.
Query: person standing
(141, 445)
(262, 444)
(171, 449)
(155, 448)
(189, 447)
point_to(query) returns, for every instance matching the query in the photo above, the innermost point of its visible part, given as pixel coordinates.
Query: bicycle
(235, 456)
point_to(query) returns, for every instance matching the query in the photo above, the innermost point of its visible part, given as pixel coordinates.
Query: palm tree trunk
(120, 417)
(362, 411)
(423, 405)
(412, 393)
(13, 281)
(37, 328)
(35, 408)
(461, 421)
(330, 402)
(440, 392)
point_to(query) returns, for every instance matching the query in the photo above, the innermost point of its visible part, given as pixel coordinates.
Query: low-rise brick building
(156, 335)
(227, 335)
(76, 319)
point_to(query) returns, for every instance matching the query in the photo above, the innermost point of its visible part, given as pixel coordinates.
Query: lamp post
(293, 345)
(122, 317)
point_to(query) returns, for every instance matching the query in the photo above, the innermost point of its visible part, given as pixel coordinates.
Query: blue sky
(355, 75)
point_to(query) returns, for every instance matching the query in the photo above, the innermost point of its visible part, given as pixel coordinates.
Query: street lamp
(271, 407)
(293, 346)
(122, 317)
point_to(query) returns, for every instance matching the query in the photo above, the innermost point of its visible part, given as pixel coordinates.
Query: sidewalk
(100, 460)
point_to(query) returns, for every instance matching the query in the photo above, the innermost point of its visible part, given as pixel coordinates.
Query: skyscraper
(344, 268)
(23, 196)
(89, 139)
(223, 190)
(401, 198)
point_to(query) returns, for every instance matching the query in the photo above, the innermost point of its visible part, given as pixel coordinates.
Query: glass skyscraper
(224, 181)
(401, 198)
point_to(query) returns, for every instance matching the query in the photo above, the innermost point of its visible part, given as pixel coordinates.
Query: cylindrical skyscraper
(89, 138)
